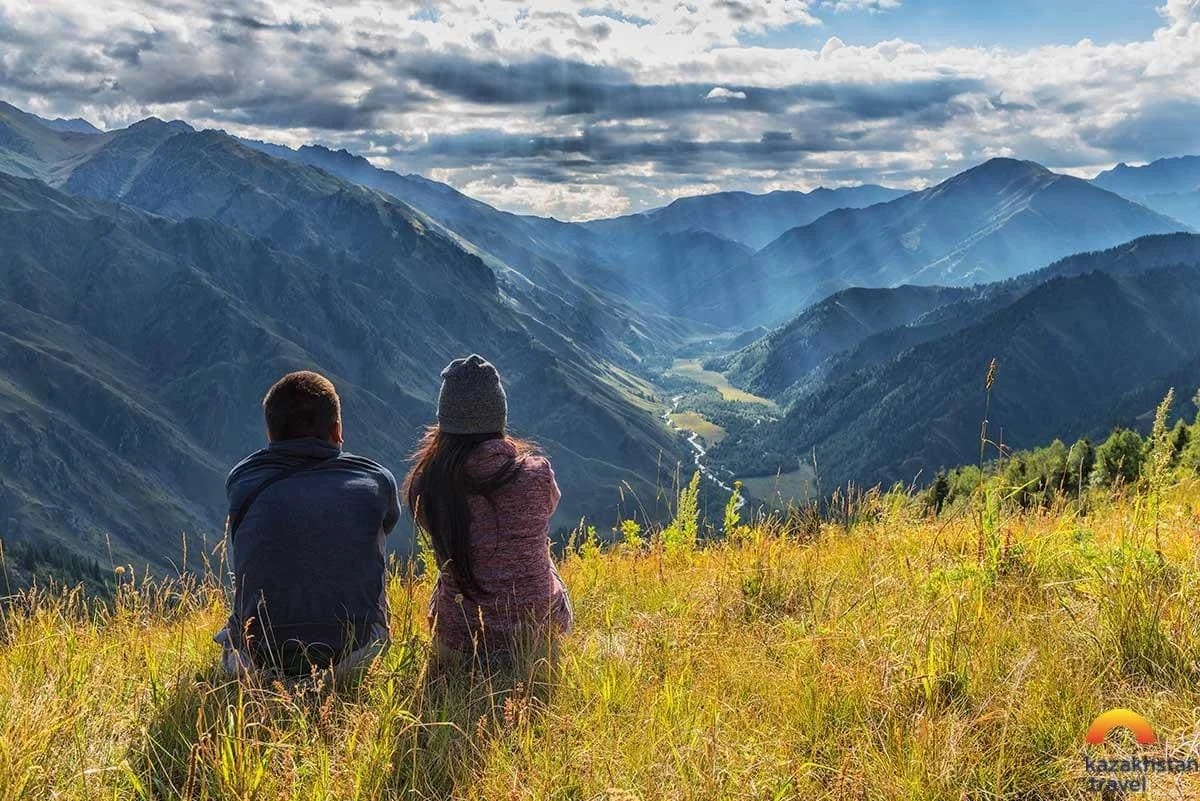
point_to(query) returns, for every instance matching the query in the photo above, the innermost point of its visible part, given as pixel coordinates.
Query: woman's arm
(555, 493)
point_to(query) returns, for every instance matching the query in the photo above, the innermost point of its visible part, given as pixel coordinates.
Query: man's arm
(392, 514)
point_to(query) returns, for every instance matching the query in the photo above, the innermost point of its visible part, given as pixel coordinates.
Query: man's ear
(335, 435)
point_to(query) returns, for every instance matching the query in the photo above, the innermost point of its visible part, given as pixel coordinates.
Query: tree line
(1040, 475)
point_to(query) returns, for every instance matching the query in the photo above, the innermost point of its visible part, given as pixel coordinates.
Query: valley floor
(691, 369)
(898, 657)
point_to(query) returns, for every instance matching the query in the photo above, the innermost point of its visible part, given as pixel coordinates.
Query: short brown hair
(301, 404)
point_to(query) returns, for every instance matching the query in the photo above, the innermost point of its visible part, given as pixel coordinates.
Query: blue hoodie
(309, 555)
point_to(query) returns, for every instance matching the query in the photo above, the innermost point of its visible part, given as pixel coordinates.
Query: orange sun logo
(1124, 718)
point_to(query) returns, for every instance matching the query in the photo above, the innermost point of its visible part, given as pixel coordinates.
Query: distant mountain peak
(753, 220)
(155, 122)
(1001, 166)
(774, 194)
(993, 176)
(1170, 186)
(341, 154)
(76, 125)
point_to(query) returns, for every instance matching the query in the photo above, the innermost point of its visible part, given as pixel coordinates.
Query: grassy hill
(882, 654)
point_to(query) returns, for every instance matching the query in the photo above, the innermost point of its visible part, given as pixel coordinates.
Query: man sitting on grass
(306, 528)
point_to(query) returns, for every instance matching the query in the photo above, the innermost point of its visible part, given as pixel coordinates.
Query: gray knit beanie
(472, 400)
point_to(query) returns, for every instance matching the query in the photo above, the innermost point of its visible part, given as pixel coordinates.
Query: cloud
(537, 80)
(1180, 13)
(541, 106)
(1171, 124)
(721, 93)
(870, 6)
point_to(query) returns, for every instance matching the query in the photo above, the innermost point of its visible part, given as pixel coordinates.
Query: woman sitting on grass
(485, 500)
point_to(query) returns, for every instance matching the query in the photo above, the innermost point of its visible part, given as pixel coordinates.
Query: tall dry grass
(875, 656)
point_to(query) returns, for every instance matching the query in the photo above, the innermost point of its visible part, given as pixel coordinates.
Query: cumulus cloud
(721, 93)
(589, 107)
(1180, 13)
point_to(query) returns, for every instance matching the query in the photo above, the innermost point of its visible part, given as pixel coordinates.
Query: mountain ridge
(1060, 337)
(209, 270)
(752, 219)
(1170, 186)
(1017, 215)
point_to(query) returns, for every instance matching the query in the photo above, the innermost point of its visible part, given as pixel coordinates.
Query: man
(307, 524)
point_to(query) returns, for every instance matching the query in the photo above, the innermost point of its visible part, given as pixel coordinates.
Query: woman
(485, 500)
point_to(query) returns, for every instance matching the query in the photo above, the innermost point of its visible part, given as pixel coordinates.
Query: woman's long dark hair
(437, 489)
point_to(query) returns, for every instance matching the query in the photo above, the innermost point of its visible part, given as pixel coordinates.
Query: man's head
(303, 404)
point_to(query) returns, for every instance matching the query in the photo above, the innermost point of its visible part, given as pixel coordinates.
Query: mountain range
(703, 259)
(751, 220)
(994, 221)
(1074, 343)
(1169, 186)
(688, 261)
(999, 219)
(158, 278)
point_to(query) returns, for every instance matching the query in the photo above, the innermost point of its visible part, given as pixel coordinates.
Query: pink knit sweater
(519, 589)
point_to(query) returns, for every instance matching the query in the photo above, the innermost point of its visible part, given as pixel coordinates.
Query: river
(710, 472)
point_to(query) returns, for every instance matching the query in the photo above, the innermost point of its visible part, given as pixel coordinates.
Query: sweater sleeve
(555, 493)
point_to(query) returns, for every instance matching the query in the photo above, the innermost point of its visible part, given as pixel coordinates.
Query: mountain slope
(33, 148)
(856, 328)
(780, 359)
(1169, 186)
(752, 220)
(144, 165)
(890, 660)
(138, 345)
(994, 221)
(559, 263)
(655, 276)
(1070, 350)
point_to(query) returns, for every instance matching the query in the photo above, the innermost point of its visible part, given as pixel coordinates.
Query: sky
(591, 108)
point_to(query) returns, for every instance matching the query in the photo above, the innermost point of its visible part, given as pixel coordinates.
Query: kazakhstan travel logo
(1127, 774)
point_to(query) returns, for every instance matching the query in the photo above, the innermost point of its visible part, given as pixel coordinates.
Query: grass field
(784, 489)
(892, 656)
(710, 432)
(690, 368)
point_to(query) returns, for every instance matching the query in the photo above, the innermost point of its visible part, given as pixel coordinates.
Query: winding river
(710, 472)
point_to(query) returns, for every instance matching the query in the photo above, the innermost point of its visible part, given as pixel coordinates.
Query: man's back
(308, 555)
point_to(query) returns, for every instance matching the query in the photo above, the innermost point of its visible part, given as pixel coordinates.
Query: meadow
(692, 369)
(882, 652)
(710, 432)
(783, 489)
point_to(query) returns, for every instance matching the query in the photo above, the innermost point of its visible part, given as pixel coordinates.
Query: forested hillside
(1076, 344)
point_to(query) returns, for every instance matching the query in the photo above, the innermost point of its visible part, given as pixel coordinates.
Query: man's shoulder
(250, 462)
(368, 466)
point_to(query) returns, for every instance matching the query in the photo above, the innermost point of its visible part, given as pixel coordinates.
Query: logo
(1125, 718)
(1128, 774)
